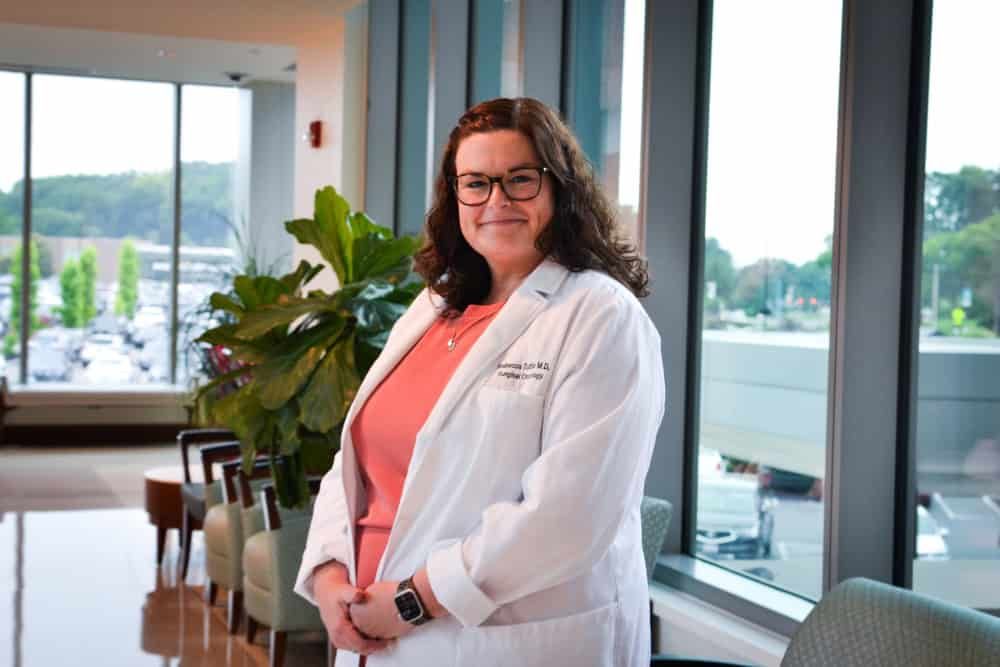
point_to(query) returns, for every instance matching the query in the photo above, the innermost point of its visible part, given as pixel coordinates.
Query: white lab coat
(522, 496)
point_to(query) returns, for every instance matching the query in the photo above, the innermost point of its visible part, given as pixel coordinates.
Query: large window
(604, 103)
(215, 236)
(769, 212)
(958, 392)
(495, 50)
(103, 267)
(416, 162)
(11, 212)
(102, 156)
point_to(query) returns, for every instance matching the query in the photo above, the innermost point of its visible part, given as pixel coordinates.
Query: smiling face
(501, 230)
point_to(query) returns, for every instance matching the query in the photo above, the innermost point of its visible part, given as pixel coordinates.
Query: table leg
(161, 539)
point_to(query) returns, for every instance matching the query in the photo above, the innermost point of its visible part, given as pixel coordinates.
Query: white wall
(272, 173)
(319, 95)
(691, 628)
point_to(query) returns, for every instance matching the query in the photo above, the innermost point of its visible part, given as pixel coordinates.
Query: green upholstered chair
(271, 560)
(656, 514)
(862, 623)
(219, 444)
(225, 538)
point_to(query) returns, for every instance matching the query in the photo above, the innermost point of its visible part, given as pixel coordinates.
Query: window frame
(22, 386)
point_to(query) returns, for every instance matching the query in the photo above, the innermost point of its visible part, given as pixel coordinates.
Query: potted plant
(302, 354)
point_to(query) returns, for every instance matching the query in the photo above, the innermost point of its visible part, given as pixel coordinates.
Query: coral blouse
(385, 428)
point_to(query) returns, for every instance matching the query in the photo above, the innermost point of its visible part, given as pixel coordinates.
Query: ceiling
(188, 41)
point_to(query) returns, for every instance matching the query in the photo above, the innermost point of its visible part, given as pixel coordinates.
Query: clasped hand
(361, 621)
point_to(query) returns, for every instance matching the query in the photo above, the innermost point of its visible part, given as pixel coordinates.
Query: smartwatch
(411, 608)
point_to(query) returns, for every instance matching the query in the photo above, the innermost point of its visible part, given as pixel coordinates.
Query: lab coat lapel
(416, 321)
(519, 311)
(522, 307)
(415, 324)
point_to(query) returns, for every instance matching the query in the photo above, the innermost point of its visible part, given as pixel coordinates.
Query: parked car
(931, 544)
(98, 342)
(785, 481)
(47, 363)
(710, 463)
(734, 519)
(109, 367)
(148, 323)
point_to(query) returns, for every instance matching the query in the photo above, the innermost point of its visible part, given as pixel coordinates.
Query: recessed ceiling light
(165, 53)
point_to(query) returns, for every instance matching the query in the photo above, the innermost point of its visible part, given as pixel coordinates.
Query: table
(163, 500)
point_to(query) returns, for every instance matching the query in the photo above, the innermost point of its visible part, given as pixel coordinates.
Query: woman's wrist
(330, 573)
(423, 585)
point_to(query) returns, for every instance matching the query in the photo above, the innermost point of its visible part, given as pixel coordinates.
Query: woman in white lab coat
(515, 538)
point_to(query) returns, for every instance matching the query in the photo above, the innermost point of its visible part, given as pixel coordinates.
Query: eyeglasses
(519, 184)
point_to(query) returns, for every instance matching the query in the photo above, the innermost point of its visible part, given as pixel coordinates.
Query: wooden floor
(78, 571)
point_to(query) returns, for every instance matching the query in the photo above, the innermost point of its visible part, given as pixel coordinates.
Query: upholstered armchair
(656, 514)
(863, 622)
(219, 444)
(224, 541)
(271, 560)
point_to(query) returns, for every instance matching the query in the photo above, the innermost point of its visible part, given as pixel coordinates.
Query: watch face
(409, 606)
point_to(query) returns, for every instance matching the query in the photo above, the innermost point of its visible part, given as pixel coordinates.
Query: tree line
(130, 204)
(77, 289)
(961, 245)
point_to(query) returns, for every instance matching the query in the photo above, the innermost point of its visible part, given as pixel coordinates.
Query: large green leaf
(218, 380)
(331, 389)
(290, 482)
(377, 315)
(287, 423)
(225, 335)
(242, 412)
(258, 322)
(362, 225)
(280, 377)
(246, 291)
(221, 301)
(328, 231)
(269, 289)
(330, 203)
(258, 291)
(376, 257)
(317, 450)
(365, 354)
(305, 377)
(301, 276)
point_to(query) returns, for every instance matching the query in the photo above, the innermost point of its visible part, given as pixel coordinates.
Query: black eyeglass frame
(499, 181)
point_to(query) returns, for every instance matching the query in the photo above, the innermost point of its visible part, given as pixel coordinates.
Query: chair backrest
(656, 514)
(200, 436)
(275, 515)
(862, 622)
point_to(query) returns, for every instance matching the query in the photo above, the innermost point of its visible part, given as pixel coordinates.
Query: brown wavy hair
(580, 236)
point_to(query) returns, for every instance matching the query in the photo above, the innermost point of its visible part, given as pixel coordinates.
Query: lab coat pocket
(584, 640)
(512, 424)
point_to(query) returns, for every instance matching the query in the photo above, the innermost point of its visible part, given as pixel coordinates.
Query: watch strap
(407, 585)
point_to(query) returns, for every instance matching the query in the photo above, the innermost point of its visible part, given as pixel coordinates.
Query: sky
(104, 126)
(772, 118)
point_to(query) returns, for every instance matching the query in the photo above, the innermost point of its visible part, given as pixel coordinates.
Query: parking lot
(112, 350)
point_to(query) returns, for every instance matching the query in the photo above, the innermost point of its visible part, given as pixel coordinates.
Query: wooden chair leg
(187, 528)
(654, 630)
(161, 539)
(277, 652)
(251, 629)
(211, 591)
(235, 611)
